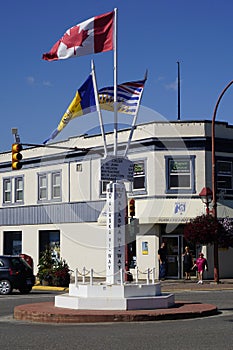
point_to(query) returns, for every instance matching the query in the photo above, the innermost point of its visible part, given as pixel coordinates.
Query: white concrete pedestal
(115, 297)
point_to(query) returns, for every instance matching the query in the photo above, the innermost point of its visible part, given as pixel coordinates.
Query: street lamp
(206, 196)
(214, 211)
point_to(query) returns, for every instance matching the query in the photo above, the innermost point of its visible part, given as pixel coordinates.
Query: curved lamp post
(214, 211)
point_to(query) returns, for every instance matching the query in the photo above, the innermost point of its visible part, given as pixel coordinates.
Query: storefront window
(12, 242)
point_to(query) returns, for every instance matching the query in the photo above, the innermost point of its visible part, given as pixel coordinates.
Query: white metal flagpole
(98, 106)
(134, 120)
(115, 83)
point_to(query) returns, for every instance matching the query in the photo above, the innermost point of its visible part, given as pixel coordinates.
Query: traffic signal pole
(130, 213)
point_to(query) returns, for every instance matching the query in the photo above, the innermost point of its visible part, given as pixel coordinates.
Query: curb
(50, 288)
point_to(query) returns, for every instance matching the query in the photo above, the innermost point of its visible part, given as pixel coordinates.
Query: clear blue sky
(152, 35)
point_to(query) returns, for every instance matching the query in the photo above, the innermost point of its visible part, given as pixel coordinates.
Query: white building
(57, 197)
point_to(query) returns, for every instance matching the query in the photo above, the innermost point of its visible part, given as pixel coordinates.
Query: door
(173, 256)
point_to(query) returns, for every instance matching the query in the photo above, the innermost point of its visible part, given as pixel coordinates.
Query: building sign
(144, 248)
(179, 166)
(180, 208)
(116, 168)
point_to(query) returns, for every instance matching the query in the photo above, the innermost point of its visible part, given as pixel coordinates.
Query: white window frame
(10, 194)
(7, 191)
(55, 186)
(42, 187)
(19, 191)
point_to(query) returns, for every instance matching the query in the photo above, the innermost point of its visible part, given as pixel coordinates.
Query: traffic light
(132, 207)
(16, 156)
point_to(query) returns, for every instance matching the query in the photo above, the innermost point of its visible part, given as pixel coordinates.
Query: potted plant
(53, 272)
(61, 274)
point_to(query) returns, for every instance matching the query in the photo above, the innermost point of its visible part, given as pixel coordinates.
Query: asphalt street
(215, 332)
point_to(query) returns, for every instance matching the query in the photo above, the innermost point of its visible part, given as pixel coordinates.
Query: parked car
(15, 273)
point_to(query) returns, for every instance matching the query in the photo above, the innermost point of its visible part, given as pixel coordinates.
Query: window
(19, 189)
(224, 175)
(12, 242)
(49, 186)
(50, 239)
(13, 190)
(43, 184)
(7, 191)
(104, 186)
(139, 176)
(180, 174)
(79, 167)
(56, 185)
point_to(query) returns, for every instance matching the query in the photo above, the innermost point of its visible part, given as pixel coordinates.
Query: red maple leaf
(74, 38)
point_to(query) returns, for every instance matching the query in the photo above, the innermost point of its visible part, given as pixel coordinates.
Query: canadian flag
(91, 36)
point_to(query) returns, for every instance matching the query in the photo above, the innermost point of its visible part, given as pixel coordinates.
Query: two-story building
(58, 197)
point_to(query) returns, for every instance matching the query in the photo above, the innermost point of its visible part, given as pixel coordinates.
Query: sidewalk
(47, 312)
(168, 285)
(191, 285)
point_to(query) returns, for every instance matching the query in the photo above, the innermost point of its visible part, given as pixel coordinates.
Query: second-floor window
(43, 187)
(224, 175)
(7, 190)
(139, 177)
(180, 174)
(56, 185)
(49, 186)
(18, 189)
(13, 190)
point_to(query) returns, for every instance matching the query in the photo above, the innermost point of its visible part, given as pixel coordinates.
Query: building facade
(58, 197)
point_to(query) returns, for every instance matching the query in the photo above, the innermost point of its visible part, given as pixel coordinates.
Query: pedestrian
(188, 262)
(162, 257)
(202, 265)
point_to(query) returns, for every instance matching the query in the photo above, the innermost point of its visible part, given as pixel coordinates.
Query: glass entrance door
(173, 256)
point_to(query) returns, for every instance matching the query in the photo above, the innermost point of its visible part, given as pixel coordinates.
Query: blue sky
(152, 35)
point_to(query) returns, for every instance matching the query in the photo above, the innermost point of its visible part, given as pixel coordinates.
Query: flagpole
(98, 106)
(178, 96)
(115, 83)
(134, 120)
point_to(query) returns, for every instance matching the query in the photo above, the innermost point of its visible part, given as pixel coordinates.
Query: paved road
(214, 332)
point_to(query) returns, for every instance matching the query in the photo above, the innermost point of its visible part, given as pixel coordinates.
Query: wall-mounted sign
(180, 208)
(116, 168)
(144, 248)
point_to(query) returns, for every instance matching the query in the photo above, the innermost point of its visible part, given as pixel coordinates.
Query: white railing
(87, 276)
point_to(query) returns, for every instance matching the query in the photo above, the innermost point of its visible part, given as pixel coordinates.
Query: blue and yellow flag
(83, 103)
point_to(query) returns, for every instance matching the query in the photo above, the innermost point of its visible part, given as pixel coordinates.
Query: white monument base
(115, 297)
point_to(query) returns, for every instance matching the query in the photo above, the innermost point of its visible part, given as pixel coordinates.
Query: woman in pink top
(201, 264)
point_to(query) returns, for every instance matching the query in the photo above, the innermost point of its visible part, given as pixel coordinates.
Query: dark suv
(15, 273)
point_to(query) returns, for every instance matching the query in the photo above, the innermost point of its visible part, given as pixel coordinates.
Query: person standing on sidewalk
(162, 257)
(188, 263)
(202, 265)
